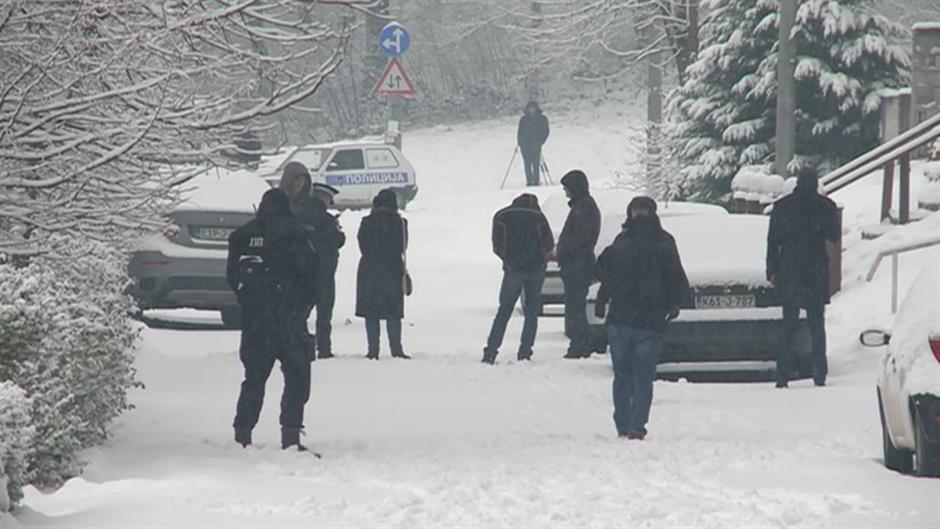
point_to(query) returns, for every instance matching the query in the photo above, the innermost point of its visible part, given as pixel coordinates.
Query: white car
(909, 381)
(612, 204)
(729, 327)
(358, 169)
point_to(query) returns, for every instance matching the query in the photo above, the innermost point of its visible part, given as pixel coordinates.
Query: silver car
(183, 266)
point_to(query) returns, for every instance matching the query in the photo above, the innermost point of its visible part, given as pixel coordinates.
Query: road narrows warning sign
(394, 81)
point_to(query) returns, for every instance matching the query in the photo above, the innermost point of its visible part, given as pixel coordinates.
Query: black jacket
(800, 225)
(533, 130)
(576, 244)
(642, 276)
(383, 237)
(327, 236)
(522, 237)
(289, 261)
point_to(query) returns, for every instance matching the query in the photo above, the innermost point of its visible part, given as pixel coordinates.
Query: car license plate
(212, 233)
(725, 302)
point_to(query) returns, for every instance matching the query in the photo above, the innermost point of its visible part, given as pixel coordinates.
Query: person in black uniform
(271, 267)
(328, 238)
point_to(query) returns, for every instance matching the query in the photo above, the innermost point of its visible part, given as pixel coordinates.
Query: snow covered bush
(67, 341)
(15, 435)
(723, 117)
(754, 185)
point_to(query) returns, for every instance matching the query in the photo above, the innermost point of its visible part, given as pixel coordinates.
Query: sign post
(394, 82)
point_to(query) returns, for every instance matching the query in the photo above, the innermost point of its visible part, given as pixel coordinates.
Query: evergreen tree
(723, 117)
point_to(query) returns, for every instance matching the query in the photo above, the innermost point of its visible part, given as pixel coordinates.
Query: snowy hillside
(444, 441)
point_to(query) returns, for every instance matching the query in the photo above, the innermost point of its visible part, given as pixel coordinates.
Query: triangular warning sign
(394, 81)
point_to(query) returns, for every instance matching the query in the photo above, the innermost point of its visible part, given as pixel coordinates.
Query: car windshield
(311, 158)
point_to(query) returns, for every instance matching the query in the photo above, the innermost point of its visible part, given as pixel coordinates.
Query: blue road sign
(394, 39)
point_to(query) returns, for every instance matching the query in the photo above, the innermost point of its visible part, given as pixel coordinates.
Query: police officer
(271, 267)
(328, 238)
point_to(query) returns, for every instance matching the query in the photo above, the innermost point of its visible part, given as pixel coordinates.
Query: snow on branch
(106, 107)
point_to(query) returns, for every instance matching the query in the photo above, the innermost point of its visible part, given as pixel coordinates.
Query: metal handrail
(894, 253)
(908, 141)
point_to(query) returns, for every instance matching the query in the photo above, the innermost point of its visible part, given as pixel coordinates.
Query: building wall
(926, 71)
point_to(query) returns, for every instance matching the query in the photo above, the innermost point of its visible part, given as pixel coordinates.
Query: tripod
(546, 176)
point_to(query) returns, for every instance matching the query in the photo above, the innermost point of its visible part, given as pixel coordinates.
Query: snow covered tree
(15, 434)
(106, 107)
(723, 117)
(66, 340)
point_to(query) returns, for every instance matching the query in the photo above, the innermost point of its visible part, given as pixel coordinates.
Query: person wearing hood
(271, 267)
(643, 280)
(523, 240)
(798, 267)
(530, 136)
(575, 256)
(381, 278)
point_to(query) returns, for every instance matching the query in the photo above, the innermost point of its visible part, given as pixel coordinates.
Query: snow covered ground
(446, 441)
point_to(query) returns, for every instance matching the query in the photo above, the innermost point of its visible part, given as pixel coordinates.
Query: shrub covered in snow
(67, 340)
(755, 185)
(931, 171)
(724, 116)
(15, 434)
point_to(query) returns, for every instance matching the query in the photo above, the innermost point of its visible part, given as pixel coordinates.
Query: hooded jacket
(289, 261)
(575, 250)
(642, 275)
(533, 128)
(302, 204)
(800, 225)
(521, 235)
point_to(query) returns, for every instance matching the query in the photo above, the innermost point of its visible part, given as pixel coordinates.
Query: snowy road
(446, 441)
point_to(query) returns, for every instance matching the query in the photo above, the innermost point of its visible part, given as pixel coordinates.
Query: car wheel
(897, 460)
(928, 461)
(232, 317)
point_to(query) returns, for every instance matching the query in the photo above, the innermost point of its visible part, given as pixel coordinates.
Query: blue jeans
(514, 283)
(634, 353)
(816, 319)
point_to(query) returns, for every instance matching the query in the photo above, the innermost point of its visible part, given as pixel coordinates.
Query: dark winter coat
(522, 237)
(642, 276)
(383, 238)
(797, 263)
(575, 250)
(288, 270)
(533, 129)
(327, 237)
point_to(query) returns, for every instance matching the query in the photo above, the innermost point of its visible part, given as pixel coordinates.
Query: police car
(359, 170)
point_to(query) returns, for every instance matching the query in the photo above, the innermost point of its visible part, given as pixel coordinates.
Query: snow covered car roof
(223, 190)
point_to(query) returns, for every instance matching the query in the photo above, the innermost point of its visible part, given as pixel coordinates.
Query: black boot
(243, 436)
(523, 356)
(372, 356)
(489, 357)
(402, 355)
(290, 437)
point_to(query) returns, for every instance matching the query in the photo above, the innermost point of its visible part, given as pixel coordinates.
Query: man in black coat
(271, 268)
(328, 238)
(530, 136)
(296, 182)
(642, 276)
(575, 256)
(523, 240)
(798, 266)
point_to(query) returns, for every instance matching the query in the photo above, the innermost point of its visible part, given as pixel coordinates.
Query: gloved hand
(600, 310)
(673, 315)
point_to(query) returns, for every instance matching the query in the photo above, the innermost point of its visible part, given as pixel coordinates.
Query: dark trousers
(259, 349)
(816, 319)
(531, 160)
(577, 328)
(634, 353)
(514, 284)
(393, 326)
(326, 289)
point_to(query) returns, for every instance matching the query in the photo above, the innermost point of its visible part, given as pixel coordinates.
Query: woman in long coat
(383, 239)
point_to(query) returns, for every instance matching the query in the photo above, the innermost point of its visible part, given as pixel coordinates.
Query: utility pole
(786, 88)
